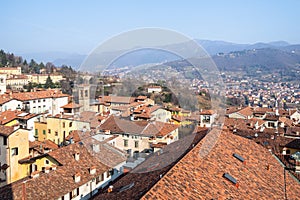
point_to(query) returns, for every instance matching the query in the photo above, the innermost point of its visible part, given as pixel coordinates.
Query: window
(34, 101)
(4, 140)
(39, 100)
(136, 144)
(44, 132)
(125, 143)
(49, 131)
(56, 133)
(64, 124)
(47, 162)
(74, 193)
(99, 178)
(14, 151)
(70, 124)
(86, 93)
(44, 100)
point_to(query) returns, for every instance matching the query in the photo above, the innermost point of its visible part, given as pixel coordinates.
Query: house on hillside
(207, 118)
(243, 113)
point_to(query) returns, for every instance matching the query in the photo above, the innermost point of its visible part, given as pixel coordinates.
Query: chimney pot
(35, 174)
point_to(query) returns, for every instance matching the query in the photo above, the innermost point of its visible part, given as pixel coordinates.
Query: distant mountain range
(278, 53)
(214, 47)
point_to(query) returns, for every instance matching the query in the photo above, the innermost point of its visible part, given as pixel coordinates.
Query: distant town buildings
(61, 146)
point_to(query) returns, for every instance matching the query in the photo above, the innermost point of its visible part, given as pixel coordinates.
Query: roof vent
(231, 179)
(240, 158)
(126, 187)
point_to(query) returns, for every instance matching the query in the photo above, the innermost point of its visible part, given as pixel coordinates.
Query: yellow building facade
(57, 129)
(18, 148)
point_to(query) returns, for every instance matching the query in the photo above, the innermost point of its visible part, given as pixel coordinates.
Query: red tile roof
(145, 175)
(46, 144)
(4, 98)
(247, 111)
(9, 115)
(6, 130)
(207, 112)
(71, 105)
(116, 99)
(91, 117)
(260, 177)
(120, 126)
(56, 183)
(25, 96)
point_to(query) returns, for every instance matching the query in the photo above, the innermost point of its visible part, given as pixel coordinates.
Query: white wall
(12, 104)
(53, 105)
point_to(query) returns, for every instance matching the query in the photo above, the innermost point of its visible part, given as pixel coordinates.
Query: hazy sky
(79, 26)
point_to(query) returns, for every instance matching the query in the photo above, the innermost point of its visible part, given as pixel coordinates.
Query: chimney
(46, 170)
(110, 189)
(92, 170)
(76, 156)
(96, 148)
(76, 177)
(35, 174)
(53, 167)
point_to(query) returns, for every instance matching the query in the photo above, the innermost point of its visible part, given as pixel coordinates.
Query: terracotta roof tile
(25, 96)
(116, 99)
(6, 130)
(56, 183)
(156, 128)
(4, 98)
(261, 176)
(145, 175)
(71, 105)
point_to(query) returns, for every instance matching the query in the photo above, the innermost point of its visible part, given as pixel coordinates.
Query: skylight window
(240, 158)
(230, 178)
(126, 187)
